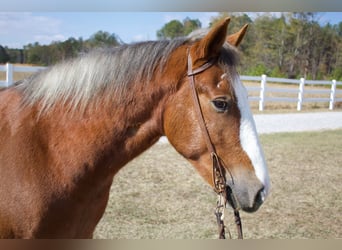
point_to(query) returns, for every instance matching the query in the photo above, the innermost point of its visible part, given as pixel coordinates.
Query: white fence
(263, 89)
(10, 69)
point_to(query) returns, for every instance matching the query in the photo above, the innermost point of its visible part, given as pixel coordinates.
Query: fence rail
(263, 89)
(10, 69)
(262, 98)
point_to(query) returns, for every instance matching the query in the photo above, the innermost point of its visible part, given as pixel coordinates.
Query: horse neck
(105, 137)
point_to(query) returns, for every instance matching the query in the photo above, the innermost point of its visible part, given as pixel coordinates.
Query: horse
(67, 130)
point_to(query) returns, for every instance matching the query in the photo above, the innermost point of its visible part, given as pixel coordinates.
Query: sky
(21, 28)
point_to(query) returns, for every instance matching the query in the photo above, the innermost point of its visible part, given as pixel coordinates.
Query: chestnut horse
(66, 131)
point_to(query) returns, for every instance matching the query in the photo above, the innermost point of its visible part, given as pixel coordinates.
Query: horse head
(227, 117)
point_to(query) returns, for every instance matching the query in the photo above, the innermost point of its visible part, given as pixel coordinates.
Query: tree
(16, 55)
(171, 30)
(190, 25)
(69, 48)
(72, 47)
(103, 39)
(176, 28)
(307, 43)
(33, 53)
(237, 21)
(4, 57)
(271, 43)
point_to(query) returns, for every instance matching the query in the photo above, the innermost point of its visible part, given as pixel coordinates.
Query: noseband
(219, 180)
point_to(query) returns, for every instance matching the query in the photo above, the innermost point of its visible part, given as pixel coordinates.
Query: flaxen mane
(109, 70)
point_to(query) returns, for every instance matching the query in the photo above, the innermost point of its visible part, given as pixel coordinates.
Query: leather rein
(219, 180)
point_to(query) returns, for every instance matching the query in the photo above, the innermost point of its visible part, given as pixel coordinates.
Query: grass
(160, 196)
(16, 77)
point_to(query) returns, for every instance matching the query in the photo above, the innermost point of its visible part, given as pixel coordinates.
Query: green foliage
(176, 28)
(276, 72)
(257, 70)
(103, 39)
(4, 57)
(337, 74)
(171, 30)
(16, 55)
(289, 45)
(50, 54)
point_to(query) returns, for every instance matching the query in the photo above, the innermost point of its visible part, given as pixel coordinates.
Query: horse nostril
(259, 198)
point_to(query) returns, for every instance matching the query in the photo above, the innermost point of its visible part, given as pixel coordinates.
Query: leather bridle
(219, 178)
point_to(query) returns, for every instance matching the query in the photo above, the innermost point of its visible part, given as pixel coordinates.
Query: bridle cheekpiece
(219, 178)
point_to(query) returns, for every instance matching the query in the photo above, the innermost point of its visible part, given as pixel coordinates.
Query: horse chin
(250, 209)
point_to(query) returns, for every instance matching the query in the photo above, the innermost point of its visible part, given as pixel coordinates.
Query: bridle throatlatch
(219, 178)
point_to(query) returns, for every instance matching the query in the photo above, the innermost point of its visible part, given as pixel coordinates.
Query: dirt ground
(160, 196)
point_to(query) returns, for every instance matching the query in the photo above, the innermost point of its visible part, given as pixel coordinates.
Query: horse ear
(236, 38)
(210, 45)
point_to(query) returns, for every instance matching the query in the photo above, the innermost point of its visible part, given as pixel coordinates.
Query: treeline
(57, 51)
(289, 45)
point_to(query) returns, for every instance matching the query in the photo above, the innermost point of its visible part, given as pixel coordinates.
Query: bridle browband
(219, 180)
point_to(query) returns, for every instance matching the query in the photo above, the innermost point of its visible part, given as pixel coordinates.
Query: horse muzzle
(245, 195)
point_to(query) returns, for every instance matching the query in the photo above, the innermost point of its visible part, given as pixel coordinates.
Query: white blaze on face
(248, 135)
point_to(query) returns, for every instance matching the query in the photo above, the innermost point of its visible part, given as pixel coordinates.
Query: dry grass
(16, 77)
(159, 195)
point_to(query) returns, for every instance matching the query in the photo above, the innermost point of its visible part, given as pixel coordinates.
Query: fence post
(9, 74)
(262, 93)
(332, 95)
(300, 94)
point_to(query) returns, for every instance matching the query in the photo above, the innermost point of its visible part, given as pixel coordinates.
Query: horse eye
(220, 105)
